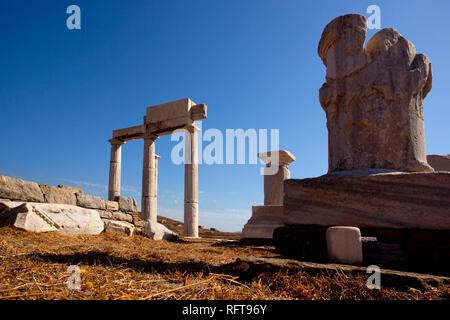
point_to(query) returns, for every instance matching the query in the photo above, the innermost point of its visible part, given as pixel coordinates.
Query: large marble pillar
(191, 183)
(149, 200)
(115, 168)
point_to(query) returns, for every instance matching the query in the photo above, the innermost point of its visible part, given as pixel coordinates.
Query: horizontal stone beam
(131, 133)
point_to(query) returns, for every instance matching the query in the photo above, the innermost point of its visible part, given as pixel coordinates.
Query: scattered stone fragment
(120, 227)
(157, 231)
(344, 245)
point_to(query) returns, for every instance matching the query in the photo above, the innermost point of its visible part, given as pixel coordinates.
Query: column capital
(151, 136)
(284, 157)
(116, 141)
(192, 128)
(157, 157)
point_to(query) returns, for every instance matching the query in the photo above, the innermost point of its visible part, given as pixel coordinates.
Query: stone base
(264, 220)
(394, 200)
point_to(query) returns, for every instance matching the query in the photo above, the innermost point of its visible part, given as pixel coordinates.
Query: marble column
(191, 183)
(149, 200)
(115, 168)
(156, 174)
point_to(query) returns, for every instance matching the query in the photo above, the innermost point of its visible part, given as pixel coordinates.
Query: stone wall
(119, 216)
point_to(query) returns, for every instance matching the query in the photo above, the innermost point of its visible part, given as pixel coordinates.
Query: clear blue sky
(254, 63)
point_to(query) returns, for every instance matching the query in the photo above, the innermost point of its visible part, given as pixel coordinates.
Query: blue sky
(254, 63)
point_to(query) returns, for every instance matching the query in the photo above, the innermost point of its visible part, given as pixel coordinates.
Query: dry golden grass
(33, 266)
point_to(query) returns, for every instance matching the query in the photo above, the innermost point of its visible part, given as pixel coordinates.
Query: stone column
(156, 174)
(115, 168)
(274, 184)
(191, 183)
(149, 200)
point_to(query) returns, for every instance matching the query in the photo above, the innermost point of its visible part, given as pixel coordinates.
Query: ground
(34, 266)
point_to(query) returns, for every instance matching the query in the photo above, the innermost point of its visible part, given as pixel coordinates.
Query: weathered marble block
(344, 245)
(395, 200)
(58, 195)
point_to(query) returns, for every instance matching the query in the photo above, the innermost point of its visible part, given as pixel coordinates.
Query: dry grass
(33, 266)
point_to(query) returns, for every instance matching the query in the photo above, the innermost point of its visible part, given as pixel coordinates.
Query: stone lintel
(131, 133)
(116, 141)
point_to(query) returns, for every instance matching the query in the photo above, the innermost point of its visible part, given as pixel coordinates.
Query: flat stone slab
(252, 265)
(394, 200)
(18, 189)
(46, 217)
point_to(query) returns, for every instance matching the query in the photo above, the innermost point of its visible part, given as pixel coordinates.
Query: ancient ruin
(162, 120)
(378, 180)
(373, 98)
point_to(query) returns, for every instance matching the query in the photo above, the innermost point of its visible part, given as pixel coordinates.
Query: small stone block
(112, 205)
(344, 245)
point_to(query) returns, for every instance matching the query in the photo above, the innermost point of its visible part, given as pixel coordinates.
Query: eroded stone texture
(58, 195)
(91, 202)
(120, 227)
(127, 204)
(18, 189)
(373, 98)
(157, 231)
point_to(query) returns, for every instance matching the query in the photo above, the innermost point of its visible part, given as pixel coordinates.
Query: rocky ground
(34, 266)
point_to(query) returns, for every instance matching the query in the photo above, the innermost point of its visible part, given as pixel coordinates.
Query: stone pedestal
(115, 169)
(191, 183)
(265, 219)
